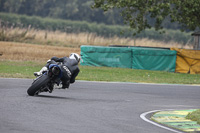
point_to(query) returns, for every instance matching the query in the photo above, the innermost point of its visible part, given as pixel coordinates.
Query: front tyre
(38, 84)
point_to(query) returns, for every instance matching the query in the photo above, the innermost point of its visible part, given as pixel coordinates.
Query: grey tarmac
(90, 107)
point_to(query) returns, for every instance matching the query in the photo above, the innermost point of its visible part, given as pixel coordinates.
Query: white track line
(143, 116)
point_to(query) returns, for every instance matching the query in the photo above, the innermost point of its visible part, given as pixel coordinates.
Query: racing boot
(40, 72)
(65, 85)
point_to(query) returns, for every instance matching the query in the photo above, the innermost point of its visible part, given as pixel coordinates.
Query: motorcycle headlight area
(55, 70)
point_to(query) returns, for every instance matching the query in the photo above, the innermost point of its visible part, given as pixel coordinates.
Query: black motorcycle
(46, 82)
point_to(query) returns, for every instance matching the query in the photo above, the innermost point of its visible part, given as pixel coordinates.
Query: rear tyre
(38, 84)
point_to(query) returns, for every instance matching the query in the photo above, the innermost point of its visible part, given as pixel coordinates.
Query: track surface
(89, 107)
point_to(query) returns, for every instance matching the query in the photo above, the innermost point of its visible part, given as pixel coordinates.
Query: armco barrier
(129, 57)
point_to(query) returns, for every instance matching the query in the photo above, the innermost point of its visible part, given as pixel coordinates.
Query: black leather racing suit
(69, 68)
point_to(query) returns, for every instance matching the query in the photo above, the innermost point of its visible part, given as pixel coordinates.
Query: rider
(69, 68)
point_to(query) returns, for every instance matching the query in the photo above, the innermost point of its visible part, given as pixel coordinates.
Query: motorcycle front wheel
(38, 84)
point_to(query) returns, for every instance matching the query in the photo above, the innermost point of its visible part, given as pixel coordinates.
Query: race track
(89, 107)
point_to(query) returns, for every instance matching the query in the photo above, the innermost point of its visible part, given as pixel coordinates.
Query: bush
(194, 116)
(82, 26)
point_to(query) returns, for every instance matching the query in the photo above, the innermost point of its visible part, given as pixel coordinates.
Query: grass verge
(18, 69)
(25, 69)
(194, 116)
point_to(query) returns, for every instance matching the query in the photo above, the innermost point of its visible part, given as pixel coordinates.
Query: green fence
(162, 60)
(129, 57)
(106, 56)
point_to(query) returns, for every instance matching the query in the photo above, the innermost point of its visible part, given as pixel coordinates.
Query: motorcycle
(46, 82)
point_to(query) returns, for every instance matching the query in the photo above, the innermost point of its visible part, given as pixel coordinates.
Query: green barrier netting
(163, 60)
(129, 57)
(106, 56)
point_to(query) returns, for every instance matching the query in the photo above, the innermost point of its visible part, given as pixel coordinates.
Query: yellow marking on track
(176, 119)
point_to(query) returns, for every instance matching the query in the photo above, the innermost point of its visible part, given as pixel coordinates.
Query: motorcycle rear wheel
(38, 84)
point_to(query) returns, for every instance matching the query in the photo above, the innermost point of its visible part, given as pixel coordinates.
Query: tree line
(51, 24)
(64, 9)
(79, 10)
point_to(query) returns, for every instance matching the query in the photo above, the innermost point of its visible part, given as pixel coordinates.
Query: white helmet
(75, 56)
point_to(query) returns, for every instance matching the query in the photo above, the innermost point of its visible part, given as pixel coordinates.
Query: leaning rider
(69, 68)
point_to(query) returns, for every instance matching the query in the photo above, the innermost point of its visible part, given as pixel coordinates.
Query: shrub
(83, 26)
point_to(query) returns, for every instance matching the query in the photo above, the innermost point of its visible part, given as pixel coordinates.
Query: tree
(139, 13)
(64, 9)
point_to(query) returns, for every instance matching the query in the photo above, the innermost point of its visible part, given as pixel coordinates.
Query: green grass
(133, 75)
(25, 69)
(194, 116)
(18, 69)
